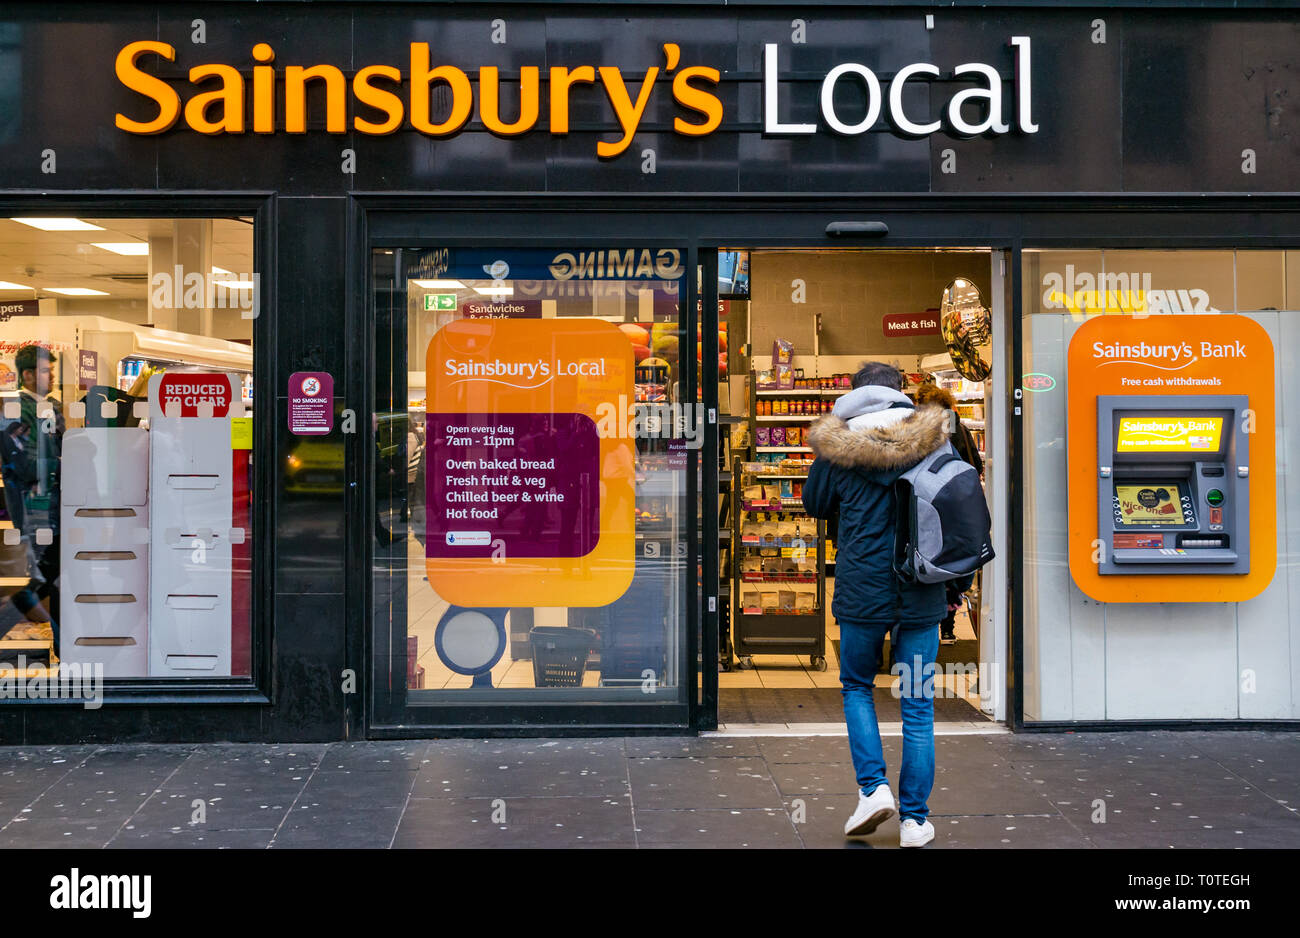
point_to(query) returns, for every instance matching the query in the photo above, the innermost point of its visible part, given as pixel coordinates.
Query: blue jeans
(915, 648)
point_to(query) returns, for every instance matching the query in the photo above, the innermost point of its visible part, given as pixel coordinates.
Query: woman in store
(963, 441)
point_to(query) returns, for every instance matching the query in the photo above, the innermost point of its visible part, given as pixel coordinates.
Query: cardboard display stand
(104, 549)
(190, 480)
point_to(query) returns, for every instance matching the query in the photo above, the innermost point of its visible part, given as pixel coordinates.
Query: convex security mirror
(967, 328)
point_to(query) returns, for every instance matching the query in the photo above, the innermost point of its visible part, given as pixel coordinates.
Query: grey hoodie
(872, 406)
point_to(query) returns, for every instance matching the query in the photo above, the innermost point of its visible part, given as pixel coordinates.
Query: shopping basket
(560, 655)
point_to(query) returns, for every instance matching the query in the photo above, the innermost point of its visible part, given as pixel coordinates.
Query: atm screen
(1184, 433)
(1152, 503)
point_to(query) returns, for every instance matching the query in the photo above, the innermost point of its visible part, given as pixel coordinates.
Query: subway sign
(382, 98)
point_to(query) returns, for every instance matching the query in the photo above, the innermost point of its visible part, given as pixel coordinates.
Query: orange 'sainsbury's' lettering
(379, 99)
(562, 79)
(169, 102)
(295, 98)
(697, 99)
(230, 96)
(383, 106)
(489, 103)
(422, 76)
(263, 90)
(629, 114)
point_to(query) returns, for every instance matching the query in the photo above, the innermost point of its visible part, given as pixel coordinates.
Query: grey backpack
(943, 530)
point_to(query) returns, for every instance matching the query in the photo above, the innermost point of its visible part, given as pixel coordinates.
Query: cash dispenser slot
(1202, 541)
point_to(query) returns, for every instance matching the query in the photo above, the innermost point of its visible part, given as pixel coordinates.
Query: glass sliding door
(535, 426)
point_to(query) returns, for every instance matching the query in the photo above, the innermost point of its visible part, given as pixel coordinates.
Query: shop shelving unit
(726, 511)
(771, 629)
(777, 570)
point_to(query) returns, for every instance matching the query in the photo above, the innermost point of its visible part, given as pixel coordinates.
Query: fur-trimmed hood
(876, 439)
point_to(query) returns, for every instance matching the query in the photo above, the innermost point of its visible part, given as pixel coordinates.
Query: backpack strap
(943, 461)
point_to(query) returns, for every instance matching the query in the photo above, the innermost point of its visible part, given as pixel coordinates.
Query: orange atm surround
(1170, 355)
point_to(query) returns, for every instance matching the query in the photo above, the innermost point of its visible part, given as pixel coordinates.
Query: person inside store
(963, 441)
(874, 434)
(30, 448)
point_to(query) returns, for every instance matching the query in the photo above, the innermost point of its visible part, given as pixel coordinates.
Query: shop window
(126, 385)
(1261, 281)
(1292, 280)
(1087, 659)
(534, 433)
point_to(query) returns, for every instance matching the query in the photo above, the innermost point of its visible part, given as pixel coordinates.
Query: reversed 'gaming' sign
(528, 502)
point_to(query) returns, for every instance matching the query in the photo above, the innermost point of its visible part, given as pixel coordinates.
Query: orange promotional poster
(1169, 356)
(530, 501)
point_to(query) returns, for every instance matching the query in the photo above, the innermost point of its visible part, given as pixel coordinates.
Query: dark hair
(879, 374)
(27, 357)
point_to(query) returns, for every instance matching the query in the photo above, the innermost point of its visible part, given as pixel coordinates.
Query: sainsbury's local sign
(382, 98)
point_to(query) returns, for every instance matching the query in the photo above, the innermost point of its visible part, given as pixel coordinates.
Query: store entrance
(796, 325)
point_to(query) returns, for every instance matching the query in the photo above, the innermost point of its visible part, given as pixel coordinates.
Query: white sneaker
(912, 834)
(873, 810)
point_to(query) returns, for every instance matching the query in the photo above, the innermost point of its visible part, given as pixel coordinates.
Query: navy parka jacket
(861, 448)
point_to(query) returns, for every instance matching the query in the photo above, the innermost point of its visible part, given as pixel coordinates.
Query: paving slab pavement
(993, 790)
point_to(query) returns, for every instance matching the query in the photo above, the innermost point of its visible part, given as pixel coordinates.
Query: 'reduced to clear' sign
(185, 394)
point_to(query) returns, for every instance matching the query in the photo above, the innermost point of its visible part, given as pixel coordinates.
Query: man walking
(872, 436)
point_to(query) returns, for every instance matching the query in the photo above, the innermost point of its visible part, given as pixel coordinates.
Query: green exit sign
(440, 301)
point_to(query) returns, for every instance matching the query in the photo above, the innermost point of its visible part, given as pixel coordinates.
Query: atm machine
(1173, 484)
